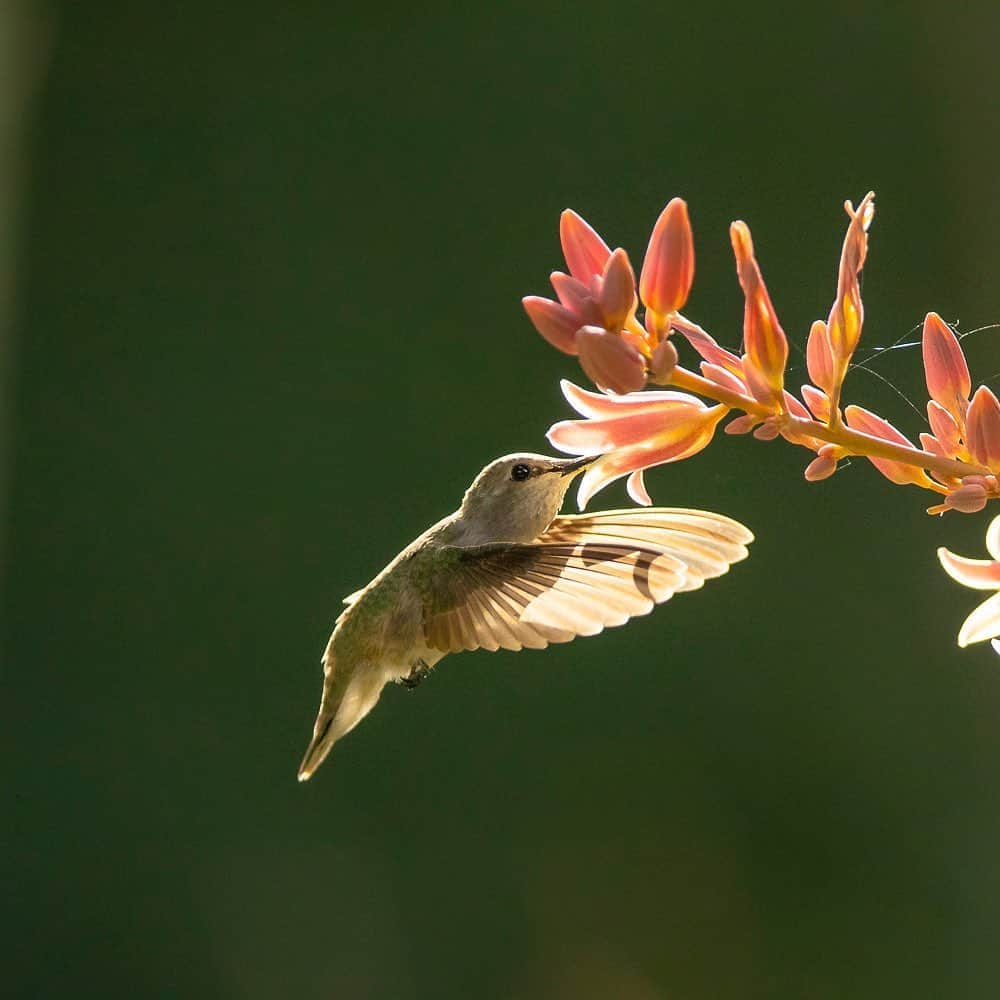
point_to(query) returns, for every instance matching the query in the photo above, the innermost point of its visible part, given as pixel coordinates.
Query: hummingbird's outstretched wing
(584, 573)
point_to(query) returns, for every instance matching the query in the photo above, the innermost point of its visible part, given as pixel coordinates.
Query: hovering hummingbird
(504, 571)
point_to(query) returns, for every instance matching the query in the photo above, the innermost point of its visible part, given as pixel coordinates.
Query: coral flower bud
(818, 402)
(610, 362)
(945, 367)
(553, 321)
(663, 362)
(944, 427)
(668, 267)
(766, 346)
(983, 437)
(617, 296)
(847, 313)
(585, 252)
(819, 358)
(900, 473)
(823, 465)
(969, 498)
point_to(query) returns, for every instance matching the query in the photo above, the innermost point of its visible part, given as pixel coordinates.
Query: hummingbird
(505, 571)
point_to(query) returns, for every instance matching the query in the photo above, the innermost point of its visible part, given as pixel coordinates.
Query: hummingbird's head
(515, 498)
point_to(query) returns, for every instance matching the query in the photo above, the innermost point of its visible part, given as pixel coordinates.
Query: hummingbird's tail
(348, 696)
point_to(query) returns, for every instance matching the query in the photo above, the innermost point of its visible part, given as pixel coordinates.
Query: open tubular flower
(632, 433)
(980, 574)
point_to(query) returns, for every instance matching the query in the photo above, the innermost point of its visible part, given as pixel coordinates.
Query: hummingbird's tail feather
(348, 696)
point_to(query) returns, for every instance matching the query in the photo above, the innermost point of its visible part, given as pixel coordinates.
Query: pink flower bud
(945, 368)
(967, 499)
(668, 267)
(818, 403)
(900, 473)
(585, 252)
(610, 362)
(766, 346)
(617, 295)
(823, 465)
(553, 321)
(819, 358)
(983, 436)
(944, 427)
(725, 378)
(847, 313)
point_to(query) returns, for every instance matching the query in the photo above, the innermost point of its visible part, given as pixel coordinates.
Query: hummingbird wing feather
(583, 574)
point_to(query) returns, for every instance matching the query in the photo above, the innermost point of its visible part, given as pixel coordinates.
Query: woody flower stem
(856, 442)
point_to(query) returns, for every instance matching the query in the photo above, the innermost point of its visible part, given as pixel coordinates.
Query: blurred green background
(266, 327)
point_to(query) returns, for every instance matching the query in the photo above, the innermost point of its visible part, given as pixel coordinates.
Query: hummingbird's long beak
(572, 466)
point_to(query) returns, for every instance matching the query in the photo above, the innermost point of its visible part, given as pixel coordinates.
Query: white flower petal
(983, 623)
(993, 538)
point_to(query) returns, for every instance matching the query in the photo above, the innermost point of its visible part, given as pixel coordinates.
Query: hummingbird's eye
(520, 472)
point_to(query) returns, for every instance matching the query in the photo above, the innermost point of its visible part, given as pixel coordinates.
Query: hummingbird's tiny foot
(418, 671)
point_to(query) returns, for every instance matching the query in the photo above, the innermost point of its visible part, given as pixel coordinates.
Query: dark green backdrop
(268, 327)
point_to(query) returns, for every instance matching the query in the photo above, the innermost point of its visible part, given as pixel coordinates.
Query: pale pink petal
(595, 437)
(993, 538)
(945, 368)
(995, 643)
(983, 422)
(553, 321)
(668, 267)
(818, 402)
(636, 488)
(819, 358)
(617, 294)
(980, 574)
(901, 473)
(585, 252)
(982, 624)
(596, 404)
(672, 444)
(609, 361)
(723, 377)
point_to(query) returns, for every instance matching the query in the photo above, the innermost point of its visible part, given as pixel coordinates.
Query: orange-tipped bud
(553, 321)
(983, 435)
(900, 473)
(585, 252)
(610, 362)
(945, 368)
(766, 346)
(668, 267)
(617, 297)
(848, 313)
(819, 357)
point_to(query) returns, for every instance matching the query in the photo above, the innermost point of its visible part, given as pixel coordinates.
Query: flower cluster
(596, 317)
